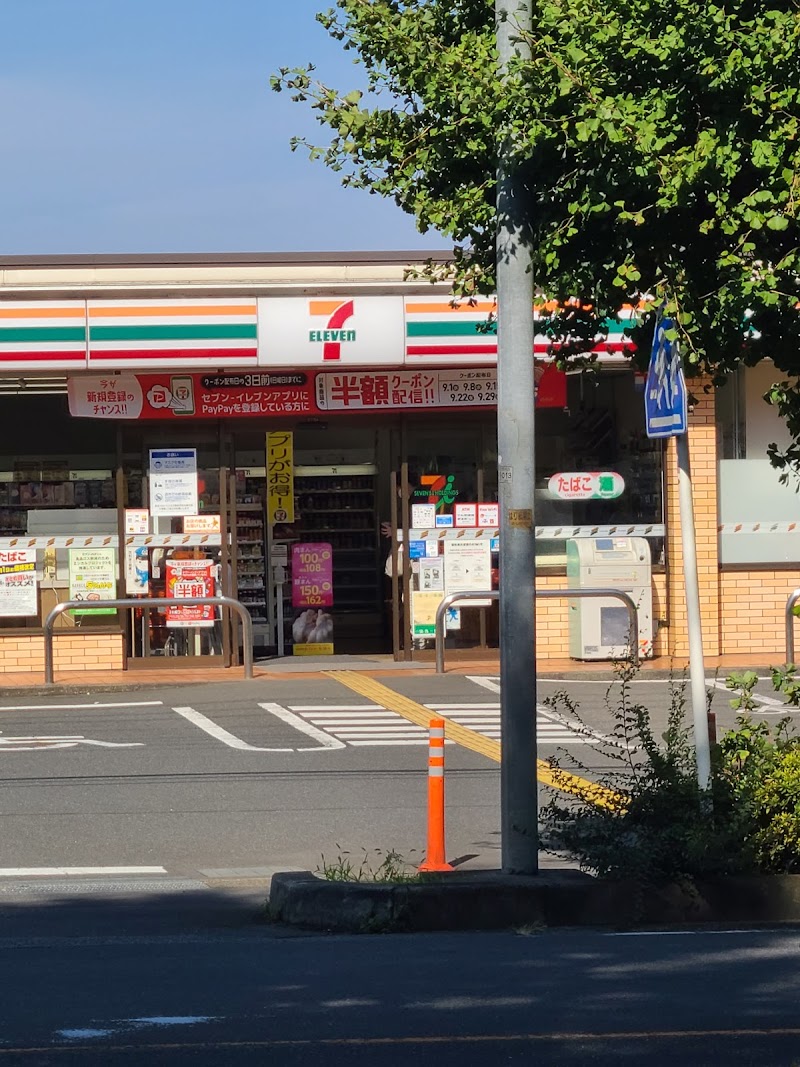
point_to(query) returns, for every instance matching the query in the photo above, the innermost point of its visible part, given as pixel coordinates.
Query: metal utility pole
(516, 479)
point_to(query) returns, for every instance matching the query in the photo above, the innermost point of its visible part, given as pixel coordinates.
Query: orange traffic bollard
(434, 857)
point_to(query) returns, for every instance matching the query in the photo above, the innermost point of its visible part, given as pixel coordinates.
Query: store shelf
(250, 544)
(330, 498)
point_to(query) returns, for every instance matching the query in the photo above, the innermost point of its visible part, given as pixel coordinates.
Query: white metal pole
(697, 676)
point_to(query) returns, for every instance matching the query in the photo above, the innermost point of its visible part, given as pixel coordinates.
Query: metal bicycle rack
(148, 603)
(541, 594)
(789, 621)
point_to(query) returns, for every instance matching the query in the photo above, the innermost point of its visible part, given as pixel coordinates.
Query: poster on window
(280, 477)
(190, 578)
(468, 568)
(18, 587)
(137, 570)
(92, 577)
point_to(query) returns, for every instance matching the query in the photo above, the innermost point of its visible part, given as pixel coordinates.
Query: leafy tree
(657, 143)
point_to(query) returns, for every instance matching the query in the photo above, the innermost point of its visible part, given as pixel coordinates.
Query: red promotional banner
(190, 578)
(187, 396)
(261, 394)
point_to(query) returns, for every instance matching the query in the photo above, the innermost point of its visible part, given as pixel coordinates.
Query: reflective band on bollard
(435, 852)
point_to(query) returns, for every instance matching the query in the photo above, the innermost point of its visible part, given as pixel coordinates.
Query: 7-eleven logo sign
(332, 335)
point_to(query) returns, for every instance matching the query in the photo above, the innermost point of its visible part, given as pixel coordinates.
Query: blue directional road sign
(665, 397)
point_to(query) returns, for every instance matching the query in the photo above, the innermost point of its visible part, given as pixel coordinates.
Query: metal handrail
(543, 594)
(147, 603)
(790, 603)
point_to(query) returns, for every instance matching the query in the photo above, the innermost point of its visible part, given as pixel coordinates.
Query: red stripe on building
(451, 350)
(106, 355)
(43, 357)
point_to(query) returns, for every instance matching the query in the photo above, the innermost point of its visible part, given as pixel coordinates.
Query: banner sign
(280, 477)
(378, 390)
(18, 583)
(199, 396)
(190, 578)
(586, 485)
(256, 395)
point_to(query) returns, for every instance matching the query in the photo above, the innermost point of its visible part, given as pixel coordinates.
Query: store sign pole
(666, 415)
(516, 481)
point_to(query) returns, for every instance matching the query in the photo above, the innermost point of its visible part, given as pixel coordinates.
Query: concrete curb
(555, 898)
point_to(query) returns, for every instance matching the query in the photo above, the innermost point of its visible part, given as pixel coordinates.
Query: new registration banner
(199, 396)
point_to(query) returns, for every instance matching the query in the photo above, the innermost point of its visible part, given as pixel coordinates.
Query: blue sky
(149, 126)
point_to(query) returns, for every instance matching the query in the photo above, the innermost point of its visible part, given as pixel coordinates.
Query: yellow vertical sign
(280, 476)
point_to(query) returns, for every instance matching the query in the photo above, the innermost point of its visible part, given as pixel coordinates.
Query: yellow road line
(471, 739)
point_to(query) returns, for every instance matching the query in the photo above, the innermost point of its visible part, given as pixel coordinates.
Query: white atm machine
(599, 626)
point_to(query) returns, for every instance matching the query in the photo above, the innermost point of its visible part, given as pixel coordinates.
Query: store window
(600, 432)
(757, 513)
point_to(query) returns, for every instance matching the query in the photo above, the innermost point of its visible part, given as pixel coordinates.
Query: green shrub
(663, 827)
(760, 769)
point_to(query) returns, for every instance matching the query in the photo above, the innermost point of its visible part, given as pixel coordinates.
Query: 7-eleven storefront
(264, 427)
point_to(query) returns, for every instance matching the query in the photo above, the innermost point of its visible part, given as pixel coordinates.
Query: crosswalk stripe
(337, 707)
(372, 724)
(472, 739)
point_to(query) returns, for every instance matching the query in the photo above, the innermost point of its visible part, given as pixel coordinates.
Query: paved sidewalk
(372, 666)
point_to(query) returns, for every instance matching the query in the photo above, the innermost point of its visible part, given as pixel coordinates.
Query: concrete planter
(493, 901)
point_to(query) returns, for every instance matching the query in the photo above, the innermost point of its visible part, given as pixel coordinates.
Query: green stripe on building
(444, 329)
(209, 332)
(17, 335)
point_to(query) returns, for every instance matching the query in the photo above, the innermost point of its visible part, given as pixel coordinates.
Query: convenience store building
(378, 395)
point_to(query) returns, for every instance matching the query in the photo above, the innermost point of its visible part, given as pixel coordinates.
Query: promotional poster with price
(312, 593)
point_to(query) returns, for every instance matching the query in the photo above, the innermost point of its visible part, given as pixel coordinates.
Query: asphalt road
(243, 778)
(253, 995)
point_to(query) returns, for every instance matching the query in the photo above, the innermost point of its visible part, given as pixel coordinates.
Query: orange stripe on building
(448, 309)
(34, 312)
(172, 312)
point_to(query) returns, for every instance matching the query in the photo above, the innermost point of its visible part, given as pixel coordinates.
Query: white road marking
(121, 1025)
(370, 724)
(169, 1020)
(333, 708)
(82, 707)
(37, 743)
(676, 933)
(389, 741)
(492, 684)
(220, 734)
(82, 1035)
(60, 872)
(326, 741)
